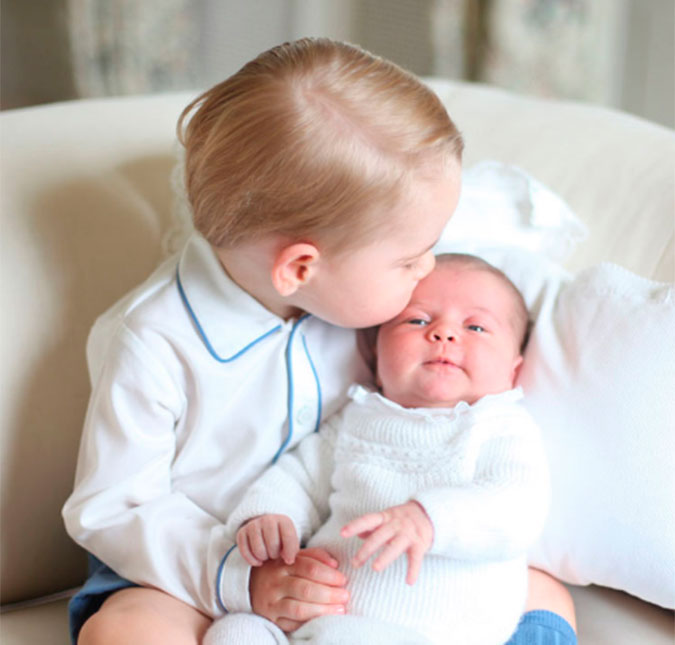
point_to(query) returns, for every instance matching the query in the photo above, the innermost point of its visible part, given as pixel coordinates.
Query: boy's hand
(400, 529)
(268, 537)
(290, 595)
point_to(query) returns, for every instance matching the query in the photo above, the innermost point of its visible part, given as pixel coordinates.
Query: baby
(443, 464)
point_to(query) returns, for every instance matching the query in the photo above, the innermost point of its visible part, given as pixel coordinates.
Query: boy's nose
(425, 265)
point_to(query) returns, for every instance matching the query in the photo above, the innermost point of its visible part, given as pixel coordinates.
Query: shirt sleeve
(123, 508)
(298, 486)
(501, 512)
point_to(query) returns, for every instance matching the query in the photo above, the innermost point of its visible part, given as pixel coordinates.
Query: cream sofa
(86, 201)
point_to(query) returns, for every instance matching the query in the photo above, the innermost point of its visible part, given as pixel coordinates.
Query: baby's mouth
(441, 361)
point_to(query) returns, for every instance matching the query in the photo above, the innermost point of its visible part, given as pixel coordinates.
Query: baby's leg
(549, 614)
(355, 630)
(148, 616)
(547, 593)
(244, 629)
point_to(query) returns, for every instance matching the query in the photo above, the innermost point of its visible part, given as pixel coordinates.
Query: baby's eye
(417, 321)
(477, 328)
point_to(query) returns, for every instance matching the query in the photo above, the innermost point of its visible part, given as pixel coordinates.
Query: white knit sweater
(480, 473)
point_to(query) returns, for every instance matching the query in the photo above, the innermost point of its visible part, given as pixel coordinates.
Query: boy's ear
(294, 266)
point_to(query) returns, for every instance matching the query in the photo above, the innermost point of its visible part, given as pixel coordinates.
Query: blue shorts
(102, 582)
(538, 627)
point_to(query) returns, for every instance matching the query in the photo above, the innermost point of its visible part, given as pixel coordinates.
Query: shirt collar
(228, 319)
(372, 397)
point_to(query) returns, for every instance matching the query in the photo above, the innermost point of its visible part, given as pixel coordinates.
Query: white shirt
(196, 389)
(478, 470)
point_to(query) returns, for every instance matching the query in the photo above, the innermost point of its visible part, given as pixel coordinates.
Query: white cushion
(502, 204)
(599, 376)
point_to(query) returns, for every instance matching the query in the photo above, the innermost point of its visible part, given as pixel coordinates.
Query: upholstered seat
(86, 201)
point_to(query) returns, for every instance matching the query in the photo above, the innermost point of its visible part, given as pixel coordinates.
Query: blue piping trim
(219, 576)
(289, 377)
(203, 334)
(318, 385)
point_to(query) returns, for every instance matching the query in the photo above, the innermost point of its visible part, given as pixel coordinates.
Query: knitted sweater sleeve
(500, 513)
(298, 486)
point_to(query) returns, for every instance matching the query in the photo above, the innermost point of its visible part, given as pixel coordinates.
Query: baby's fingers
(245, 549)
(390, 552)
(415, 556)
(372, 544)
(290, 545)
(362, 525)
(271, 539)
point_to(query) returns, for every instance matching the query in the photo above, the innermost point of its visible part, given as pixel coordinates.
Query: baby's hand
(400, 529)
(268, 537)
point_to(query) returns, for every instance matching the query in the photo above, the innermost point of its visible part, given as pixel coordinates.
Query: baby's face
(454, 341)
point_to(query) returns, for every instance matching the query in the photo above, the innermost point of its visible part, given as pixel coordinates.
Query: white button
(305, 415)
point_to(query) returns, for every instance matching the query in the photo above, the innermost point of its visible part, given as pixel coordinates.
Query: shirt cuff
(232, 590)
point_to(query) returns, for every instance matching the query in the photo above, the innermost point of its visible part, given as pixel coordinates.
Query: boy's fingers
(296, 598)
(390, 552)
(289, 542)
(316, 571)
(287, 625)
(321, 555)
(300, 612)
(308, 591)
(363, 524)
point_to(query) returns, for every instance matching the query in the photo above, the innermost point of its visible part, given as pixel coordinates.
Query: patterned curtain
(133, 46)
(561, 48)
(555, 48)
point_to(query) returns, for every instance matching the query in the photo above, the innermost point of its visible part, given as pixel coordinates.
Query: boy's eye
(477, 328)
(417, 321)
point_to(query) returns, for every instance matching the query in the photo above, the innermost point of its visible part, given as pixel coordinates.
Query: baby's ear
(294, 266)
(517, 364)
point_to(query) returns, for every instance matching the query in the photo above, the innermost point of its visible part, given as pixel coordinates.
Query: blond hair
(309, 140)
(520, 321)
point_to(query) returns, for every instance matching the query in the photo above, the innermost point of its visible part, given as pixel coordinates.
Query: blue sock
(541, 627)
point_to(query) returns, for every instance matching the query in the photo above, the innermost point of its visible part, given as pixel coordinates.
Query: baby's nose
(442, 335)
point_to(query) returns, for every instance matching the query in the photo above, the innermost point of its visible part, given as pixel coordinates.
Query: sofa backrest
(613, 169)
(86, 200)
